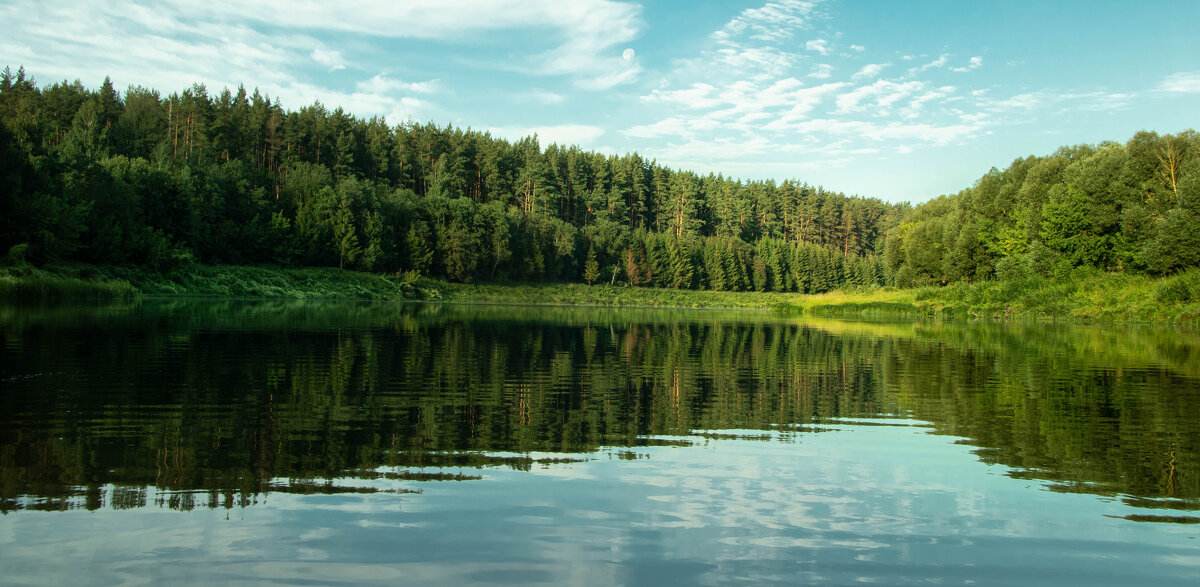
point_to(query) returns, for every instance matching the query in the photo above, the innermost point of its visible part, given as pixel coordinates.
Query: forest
(137, 178)
(1111, 207)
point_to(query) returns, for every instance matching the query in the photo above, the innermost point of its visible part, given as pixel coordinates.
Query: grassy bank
(1083, 297)
(24, 283)
(28, 284)
(606, 295)
(1086, 296)
(234, 281)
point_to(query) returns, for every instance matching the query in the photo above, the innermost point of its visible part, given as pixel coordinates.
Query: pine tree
(802, 268)
(682, 269)
(420, 253)
(374, 254)
(711, 253)
(632, 271)
(345, 238)
(591, 268)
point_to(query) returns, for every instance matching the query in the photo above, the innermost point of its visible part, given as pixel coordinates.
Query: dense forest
(101, 177)
(105, 178)
(1132, 207)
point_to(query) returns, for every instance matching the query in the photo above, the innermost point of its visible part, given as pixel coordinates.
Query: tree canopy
(135, 177)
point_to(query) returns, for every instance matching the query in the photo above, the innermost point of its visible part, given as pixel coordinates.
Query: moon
(627, 55)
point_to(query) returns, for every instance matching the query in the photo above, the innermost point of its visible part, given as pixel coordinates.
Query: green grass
(26, 284)
(604, 295)
(1086, 296)
(232, 281)
(83, 281)
(874, 303)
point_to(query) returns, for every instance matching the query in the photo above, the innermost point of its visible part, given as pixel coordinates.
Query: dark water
(323, 443)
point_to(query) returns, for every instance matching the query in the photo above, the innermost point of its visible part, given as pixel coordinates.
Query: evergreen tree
(345, 236)
(418, 241)
(591, 268)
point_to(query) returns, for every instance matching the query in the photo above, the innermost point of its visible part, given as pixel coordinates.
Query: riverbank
(1082, 297)
(26, 283)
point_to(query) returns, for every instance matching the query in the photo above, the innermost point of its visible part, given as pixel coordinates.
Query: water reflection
(189, 405)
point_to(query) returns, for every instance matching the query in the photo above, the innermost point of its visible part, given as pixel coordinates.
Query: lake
(333, 442)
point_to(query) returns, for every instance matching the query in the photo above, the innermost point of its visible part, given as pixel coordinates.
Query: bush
(42, 286)
(1179, 289)
(1012, 268)
(16, 255)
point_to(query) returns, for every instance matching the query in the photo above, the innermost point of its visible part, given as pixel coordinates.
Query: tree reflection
(191, 404)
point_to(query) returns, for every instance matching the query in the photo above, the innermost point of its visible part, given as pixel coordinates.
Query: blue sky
(898, 100)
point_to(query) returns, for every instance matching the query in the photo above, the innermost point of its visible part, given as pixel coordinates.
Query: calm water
(320, 443)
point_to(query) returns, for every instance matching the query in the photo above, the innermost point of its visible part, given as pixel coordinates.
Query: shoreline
(1086, 297)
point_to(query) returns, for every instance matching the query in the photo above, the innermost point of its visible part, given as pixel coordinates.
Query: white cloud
(818, 45)
(593, 30)
(545, 97)
(1025, 101)
(941, 61)
(789, 94)
(972, 65)
(804, 102)
(667, 127)
(883, 92)
(382, 84)
(752, 98)
(766, 61)
(275, 44)
(563, 134)
(773, 22)
(699, 96)
(914, 107)
(1186, 82)
(924, 132)
(822, 71)
(870, 70)
(331, 59)
(1047, 101)
(1105, 102)
(587, 31)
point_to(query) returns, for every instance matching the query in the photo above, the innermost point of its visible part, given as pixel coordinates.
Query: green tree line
(105, 177)
(1119, 208)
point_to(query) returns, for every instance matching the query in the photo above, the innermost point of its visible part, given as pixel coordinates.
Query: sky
(903, 101)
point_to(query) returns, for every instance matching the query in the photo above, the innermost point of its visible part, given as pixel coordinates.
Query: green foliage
(591, 268)
(266, 282)
(160, 182)
(32, 285)
(231, 177)
(16, 255)
(1174, 242)
(420, 254)
(1112, 207)
(1181, 289)
(1081, 295)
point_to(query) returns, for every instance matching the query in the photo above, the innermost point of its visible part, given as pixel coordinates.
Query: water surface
(316, 443)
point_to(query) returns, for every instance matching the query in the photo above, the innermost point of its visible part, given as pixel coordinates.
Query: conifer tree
(345, 236)
(591, 268)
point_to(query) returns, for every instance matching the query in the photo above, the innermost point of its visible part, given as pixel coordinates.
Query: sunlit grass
(1086, 296)
(607, 295)
(1089, 296)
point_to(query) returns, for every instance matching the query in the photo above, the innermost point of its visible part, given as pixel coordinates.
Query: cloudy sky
(898, 100)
